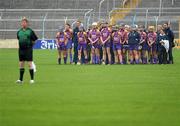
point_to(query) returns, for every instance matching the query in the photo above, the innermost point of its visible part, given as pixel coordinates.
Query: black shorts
(26, 54)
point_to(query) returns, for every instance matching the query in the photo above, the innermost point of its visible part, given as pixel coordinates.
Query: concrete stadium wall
(8, 43)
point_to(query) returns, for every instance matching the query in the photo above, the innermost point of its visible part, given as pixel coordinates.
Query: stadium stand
(168, 12)
(9, 20)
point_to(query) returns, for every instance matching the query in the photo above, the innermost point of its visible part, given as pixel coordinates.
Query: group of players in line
(119, 44)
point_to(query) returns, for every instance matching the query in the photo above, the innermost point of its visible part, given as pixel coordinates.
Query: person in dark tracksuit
(162, 54)
(75, 41)
(133, 41)
(170, 36)
(26, 38)
(89, 45)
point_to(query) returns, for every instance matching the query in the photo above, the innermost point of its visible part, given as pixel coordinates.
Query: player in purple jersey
(143, 43)
(105, 41)
(151, 39)
(124, 30)
(117, 45)
(69, 33)
(61, 41)
(94, 37)
(82, 44)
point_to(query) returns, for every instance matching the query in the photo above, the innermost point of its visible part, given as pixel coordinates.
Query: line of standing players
(119, 44)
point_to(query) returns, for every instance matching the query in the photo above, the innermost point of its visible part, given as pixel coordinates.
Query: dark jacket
(75, 38)
(133, 38)
(170, 36)
(159, 39)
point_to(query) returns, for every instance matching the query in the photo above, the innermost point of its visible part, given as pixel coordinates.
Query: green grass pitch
(88, 95)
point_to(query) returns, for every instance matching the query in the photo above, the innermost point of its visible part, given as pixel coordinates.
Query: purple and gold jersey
(61, 37)
(143, 36)
(124, 35)
(116, 37)
(105, 33)
(94, 34)
(81, 37)
(151, 37)
(61, 40)
(69, 34)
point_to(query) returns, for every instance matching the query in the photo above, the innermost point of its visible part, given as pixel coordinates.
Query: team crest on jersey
(105, 34)
(61, 39)
(116, 39)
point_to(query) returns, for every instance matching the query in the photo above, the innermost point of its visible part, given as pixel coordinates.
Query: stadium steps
(121, 13)
(50, 4)
(75, 4)
(50, 26)
(169, 12)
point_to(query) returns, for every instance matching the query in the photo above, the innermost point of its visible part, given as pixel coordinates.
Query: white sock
(34, 66)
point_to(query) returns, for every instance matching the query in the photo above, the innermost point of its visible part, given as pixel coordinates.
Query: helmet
(94, 24)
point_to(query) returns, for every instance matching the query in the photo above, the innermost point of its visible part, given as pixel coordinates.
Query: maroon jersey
(69, 34)
(81, 37)
(151, 37)
(61, 37)
(94, 34)
(116, 37)
(124, 35)
(105, 33)
(143, 37)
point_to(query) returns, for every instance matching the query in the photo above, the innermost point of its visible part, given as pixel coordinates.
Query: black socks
(21, 71)
(59, 60)
(31, 71)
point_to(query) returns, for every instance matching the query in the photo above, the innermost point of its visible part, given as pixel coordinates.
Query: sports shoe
(78, 63)
(31, 81)
(19, 82)
(103, 63)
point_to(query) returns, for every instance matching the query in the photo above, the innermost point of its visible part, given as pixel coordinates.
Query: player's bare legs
(79, 56)
(119, 53)
(65, 56)
(97, 55)
(85, 55)
(59, 57)
(116, 56)
(144, 53)
(131, 57)
(155, 57)
(109, 55)
(136, 56)
(104, 55)
(124, 55)
(93, 56)
(70, 55)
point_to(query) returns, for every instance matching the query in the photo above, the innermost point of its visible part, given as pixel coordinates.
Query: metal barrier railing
(42, 17)
(87, 16)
